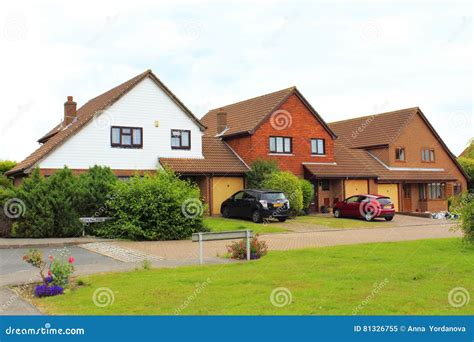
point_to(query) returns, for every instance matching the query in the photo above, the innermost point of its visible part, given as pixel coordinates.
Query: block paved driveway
(403, 229)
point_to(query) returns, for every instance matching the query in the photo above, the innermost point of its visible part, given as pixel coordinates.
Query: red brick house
(398, 154)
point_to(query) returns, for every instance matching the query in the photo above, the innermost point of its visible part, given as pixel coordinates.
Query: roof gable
(245, 117)
(87, 112)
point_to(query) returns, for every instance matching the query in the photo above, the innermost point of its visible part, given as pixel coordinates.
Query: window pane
(272, 144)
(287, 145)
(126, 140)
(126, 131)
(432, 155)
(115, 135)
(185, 139)
(175, 141)
(137, 136)
(320, 146)
(313, 146)
(279, 144)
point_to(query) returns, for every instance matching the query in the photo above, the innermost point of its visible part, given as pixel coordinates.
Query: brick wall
(303, 127)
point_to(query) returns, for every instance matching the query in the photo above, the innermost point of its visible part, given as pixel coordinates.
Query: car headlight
(264, 204)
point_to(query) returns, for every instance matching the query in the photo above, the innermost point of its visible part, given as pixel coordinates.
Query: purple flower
(45, 290)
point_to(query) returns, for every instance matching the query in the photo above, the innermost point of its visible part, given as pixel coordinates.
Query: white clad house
(136, 128)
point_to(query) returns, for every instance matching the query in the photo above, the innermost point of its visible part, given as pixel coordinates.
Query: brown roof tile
(372, 130)
(87, 113)
(218, 158)
(358, 163)
(246, 116)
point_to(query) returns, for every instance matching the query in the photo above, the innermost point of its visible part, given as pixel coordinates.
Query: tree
(290, 185)
(95, 187)
(468, 166)
(308, 193)
(6, 165)
(259, 171)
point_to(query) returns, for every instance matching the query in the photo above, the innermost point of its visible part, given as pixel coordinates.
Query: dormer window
(180, 139)
(400, 154)
(126, 137)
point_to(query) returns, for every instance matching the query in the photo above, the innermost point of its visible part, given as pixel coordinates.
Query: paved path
(187, 250)
(52, 242)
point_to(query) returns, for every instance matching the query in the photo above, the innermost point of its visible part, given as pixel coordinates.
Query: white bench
(230, 235)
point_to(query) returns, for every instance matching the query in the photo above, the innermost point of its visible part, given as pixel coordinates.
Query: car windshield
(384, 200)
(273, 196)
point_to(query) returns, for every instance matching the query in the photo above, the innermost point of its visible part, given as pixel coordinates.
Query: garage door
(355, 187)
(222, 189)
(390, 190)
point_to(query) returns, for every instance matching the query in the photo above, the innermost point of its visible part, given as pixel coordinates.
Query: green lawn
(220, 224)
(342, 223)
(383, 278)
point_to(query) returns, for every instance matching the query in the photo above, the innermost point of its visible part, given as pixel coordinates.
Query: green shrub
(468, 166)
(49, 206)
(308, 192)
(6, 165)
(95, 186)
(157, 207)
(289, 184)
(463, 205)
(259, 170)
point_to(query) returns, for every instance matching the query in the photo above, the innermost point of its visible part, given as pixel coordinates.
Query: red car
(367, 207)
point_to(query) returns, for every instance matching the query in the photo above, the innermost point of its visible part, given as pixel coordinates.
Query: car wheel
(368, 217)
(389, 218)
(282, 219)
(226, 212)
(337, 213)
(256, 216)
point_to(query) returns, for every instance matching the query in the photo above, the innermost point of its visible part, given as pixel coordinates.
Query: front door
(407, 197)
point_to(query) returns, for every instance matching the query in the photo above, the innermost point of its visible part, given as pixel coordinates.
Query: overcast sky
(348, 59)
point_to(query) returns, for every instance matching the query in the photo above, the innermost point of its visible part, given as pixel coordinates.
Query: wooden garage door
(355, 187)
(390, 190)
(222, 189)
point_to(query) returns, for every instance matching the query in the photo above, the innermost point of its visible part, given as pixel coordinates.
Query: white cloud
(348, 59)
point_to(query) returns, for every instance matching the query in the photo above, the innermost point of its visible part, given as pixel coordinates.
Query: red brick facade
(304, 126)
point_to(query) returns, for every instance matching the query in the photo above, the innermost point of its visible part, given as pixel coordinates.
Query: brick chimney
(70, 112)
(221, 121)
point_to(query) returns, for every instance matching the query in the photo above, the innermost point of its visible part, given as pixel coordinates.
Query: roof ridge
(370, 115)
(254, 98)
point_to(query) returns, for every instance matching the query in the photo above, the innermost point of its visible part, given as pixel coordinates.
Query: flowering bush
(59, 270)
(238, 250)
(48, 290)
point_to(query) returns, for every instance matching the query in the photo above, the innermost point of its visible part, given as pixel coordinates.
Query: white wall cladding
(140, 107)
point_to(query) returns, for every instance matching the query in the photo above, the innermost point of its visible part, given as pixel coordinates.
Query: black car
(257, 205)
